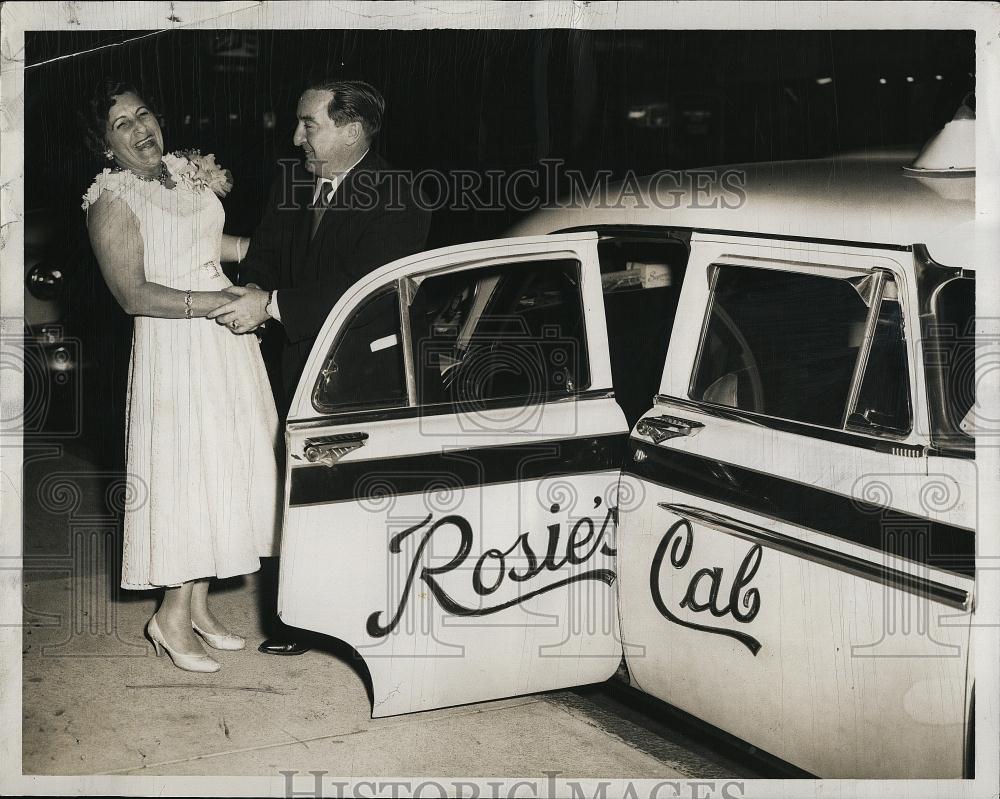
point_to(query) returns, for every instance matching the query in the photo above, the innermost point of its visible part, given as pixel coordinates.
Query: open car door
(799, 570)
(453, 455)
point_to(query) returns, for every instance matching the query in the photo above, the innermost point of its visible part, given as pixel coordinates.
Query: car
(51, 352)
(722, 426)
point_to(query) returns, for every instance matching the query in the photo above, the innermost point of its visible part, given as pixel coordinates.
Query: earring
(109, 155)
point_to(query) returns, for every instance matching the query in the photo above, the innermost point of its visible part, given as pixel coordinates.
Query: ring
(234, 324)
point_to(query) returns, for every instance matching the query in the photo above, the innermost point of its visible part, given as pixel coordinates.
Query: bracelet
(187, 304)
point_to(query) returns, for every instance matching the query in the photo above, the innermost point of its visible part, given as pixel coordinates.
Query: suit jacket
(373, 219)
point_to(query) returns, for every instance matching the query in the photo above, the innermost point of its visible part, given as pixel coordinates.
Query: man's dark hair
(353, 101)
(95, 114)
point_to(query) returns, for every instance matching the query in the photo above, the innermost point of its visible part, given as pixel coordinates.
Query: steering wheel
(747, 361)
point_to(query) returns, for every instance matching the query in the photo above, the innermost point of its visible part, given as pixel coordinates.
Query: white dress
(204, 498)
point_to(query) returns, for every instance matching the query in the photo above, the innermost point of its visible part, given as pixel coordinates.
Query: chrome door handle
(660, 428)
(330, 449)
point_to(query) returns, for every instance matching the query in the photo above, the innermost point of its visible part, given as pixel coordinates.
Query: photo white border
(18, 17)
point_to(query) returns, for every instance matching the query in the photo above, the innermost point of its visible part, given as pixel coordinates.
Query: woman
(202, 427)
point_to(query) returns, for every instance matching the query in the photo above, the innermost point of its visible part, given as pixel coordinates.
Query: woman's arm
(234, 248)
(114, 235)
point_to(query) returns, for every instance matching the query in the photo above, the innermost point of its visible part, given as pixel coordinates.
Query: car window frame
(406, 287)
(844, 434)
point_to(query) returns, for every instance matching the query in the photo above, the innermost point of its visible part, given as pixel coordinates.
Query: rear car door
(795, 569)
(453, 454)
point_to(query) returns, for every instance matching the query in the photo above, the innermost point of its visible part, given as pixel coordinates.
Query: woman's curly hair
(94, 117)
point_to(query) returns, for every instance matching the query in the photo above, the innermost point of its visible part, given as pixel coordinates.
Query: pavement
(97, 701)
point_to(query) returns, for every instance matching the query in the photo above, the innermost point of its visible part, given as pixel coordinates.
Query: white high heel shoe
(201, 663)
(227, 641)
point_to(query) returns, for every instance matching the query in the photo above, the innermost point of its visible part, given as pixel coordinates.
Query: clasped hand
(246, 312)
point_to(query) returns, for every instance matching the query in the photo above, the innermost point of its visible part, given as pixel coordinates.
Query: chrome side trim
(883, 443)
(368, 415)
(841, 561)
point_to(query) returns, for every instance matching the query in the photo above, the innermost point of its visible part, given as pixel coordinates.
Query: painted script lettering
(706, 585)
(489, 571)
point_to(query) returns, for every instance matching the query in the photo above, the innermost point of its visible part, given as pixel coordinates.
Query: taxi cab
(730, 441)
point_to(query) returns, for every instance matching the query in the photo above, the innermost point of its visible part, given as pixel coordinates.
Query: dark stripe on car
(455, 469)
(915, 538)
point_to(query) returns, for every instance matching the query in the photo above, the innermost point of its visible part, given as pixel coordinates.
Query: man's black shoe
(282, 646)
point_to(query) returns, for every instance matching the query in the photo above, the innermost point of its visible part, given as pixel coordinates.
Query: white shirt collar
(335, 181)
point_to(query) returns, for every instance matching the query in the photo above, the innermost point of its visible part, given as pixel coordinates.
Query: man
(328, 222)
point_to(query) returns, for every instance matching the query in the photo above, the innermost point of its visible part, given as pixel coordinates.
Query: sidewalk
(97, 701)
(104, 704)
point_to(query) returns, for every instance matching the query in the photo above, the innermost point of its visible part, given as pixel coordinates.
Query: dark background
(504, 99)
(476, 100)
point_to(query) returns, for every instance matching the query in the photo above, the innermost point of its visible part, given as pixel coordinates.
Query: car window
(807, 348)
(364, 368)
(950, 360)
(513, 330)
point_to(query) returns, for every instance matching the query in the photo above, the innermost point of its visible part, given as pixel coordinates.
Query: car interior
(365, 366)
(515, 330)
(642, 276)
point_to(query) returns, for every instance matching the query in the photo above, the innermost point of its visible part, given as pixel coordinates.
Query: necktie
(322, 202)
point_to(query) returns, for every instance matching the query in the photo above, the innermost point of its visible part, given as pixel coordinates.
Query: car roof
(857, 198)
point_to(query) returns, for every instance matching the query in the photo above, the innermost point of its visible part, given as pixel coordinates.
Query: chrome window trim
(886, 442)
(861, 364)
(407, 290)
(363, 415)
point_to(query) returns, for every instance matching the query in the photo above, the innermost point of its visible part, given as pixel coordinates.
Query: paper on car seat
(384, 343)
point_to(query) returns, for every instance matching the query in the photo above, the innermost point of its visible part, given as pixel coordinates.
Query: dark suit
(373, 219)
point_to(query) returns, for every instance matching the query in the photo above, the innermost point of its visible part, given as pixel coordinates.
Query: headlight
(45, 282)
